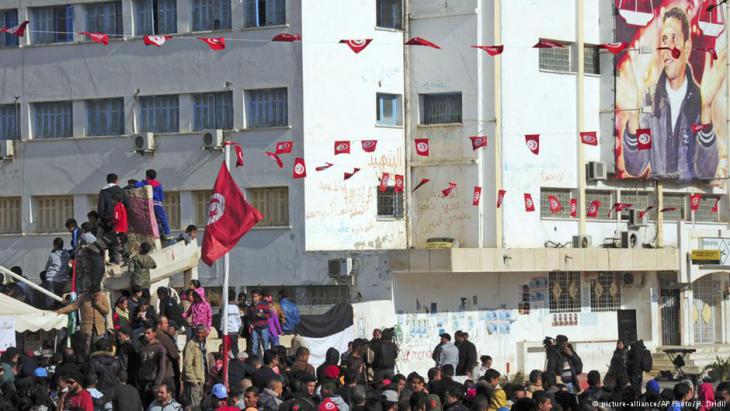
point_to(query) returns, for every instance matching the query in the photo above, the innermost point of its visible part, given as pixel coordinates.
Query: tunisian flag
(229, 218)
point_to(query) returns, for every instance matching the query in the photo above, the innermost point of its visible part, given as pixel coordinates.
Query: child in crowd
(87, 237)
(140, 266)
(120, 226)
(190, 234)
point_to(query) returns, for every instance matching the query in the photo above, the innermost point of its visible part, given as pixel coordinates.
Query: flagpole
(226, 273)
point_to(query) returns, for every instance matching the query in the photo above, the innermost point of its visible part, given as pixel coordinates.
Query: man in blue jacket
(158, 196)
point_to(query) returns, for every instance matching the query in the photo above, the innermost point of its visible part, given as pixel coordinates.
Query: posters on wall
(671, 95)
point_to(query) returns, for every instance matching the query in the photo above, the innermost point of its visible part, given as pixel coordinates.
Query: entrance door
(704, 299)
(669, 305)
(627, 326)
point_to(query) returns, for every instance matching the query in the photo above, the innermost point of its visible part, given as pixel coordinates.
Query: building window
(390, 203)
(606, 292)
(565, 59)
(267, 108)
(389, 110)
(638, 200)
(8, 18)
(562, 195)
(211, 15)
(9, 215)
(202, 200)
(93, 200)
(705, 213)
(442, 108)
(678, 201)
(155, 17)
(104, 18)
(53, 120)
(171, 203)
(591, 62)
(52, 24)
(605, 197)
(53, 211)
(259, 13)
(273, 203)
(389, 14)
(9, 121)
(105, 117)
(555, 59)
(213, 111)
(160, 114)
(564, 292)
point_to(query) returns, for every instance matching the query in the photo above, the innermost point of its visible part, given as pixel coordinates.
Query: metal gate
(669, 304)
(703, 309)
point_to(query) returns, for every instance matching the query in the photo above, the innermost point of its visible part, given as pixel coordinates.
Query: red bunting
(619, 207)
(369, 146)
(384, 182)
(643, 138)
(491, 50)
(286, 37)
(156, 40)
(18, 30)
(418, 41)
(694, 201)
(357, 45)
(239, 155)
(533, 143)
(420, 184)
(342, 147)
(668, 209)
(276, 158)
(709, 50)
(715, 207)
(477, 142)
(446, 191)
(696, 128)
(215, 43)
(422, 147)
(300, 169)
(548, 44)
(643, 212)
(324, 167)
(573, 207)
(500, 197)
(100, 38)
(589, 137)
(675, 51)
(529, 204)
(399, 183)
(349, 175)
(477, 196)
(593, 209)
(615, 48)
(284, 147)
(554, 203)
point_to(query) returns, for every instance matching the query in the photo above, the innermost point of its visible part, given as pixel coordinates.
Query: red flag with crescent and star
(229, 218)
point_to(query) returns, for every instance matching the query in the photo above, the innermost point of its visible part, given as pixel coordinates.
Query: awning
(29, 318)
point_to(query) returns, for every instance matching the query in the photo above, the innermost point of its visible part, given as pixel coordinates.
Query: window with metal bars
(705, 213)
(273, 203)
(160, 114)
(9, 121)
(171, 203)
(10, 221)
(53, 119)
(211, 15)
(52, 213)
(607, 199)
(606, 292)
(389, 14)
(52, 24)
(564, 292)
(591, 63)
(105, 117)
(8, 18)
(678, 201)
(213, 111)
(104, 17)
(155, 17)
(266, 108)
(441, 108)
(565, 59)
(93, 201)
(202, 200)
(390, 203)
(261, 13)
(562, 195)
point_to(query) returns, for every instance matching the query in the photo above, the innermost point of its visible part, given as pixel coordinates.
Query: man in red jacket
(76, 398)
(120, 227)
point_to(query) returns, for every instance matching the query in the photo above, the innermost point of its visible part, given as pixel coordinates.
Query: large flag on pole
(229, 218)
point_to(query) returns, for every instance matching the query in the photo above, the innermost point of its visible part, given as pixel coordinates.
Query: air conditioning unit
(212, 139)
(630, 239)
(628, 279)
(581, 241)
(144, 142)
(596, 170)
(340, 267)
(633, 218)
(7, 150)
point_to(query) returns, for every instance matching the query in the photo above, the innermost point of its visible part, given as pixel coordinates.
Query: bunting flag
(715, 207)
(477, 196)
(643, 138)
(668, 209)
(533, 143)
(478, 141)
(156, 40)
(324, 167)
(696, 128)
(619, 207)
(500, 197)
(215, 43)
(18, 30)
(399, 183)
(491, 50)
(239, 155)
(615, 48)
(446, 191)
(420, 184)
(589, 137)
(675, 51)
(300, 169)
(349, 175)
(643, 212)
(422, 147)
(384, 182)
(342, 147)
(100, 38)
(573, 207)
(709, 50)
(357, 45)
(554, 203)
(284, 147)
(418, 41)
(529, 204)
(369, 146)
(288, 38)
(694, 201)
(593, 209)
(276, 158)
(548, 44)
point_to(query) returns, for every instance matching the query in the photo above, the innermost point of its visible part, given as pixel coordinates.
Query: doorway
(669, 306)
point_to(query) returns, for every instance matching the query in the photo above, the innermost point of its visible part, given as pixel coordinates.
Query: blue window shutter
(69, 23)
(250, 13)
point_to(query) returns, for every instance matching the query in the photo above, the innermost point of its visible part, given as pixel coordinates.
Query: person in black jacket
(169, 307)
(386, 353)
(563, 364)
(617, 376)
(105, 365)
(125, 397)
(467, 355)
(638, 361)
(331, 357)
(107, 200)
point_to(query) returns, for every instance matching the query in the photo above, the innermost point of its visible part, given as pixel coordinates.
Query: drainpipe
(580, 121)
(660, 216)
(498, 123)
(407, 123)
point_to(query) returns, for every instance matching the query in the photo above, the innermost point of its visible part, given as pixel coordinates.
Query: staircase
(695, 362)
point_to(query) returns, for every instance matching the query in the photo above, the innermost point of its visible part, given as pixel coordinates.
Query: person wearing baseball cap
(220, 398)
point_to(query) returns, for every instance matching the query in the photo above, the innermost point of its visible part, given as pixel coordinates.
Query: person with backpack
(386, 353)
(152, 362)
(638, 361)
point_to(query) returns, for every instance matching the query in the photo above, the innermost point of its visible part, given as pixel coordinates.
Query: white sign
(7, 333)
(722, 244)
